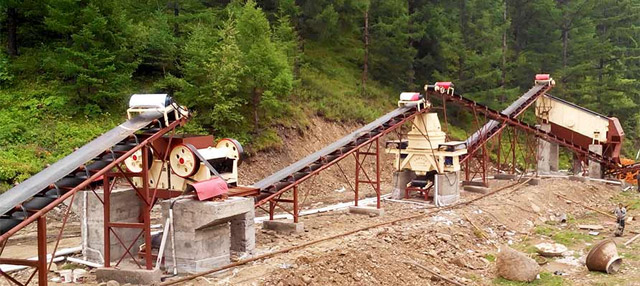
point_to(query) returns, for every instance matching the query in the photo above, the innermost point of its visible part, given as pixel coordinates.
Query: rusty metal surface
(549, 136)
(61, 168)
(514, 109)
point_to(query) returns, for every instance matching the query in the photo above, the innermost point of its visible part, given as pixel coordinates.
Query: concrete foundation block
(283, 226)
(533, 181)
(131, 276)
(544, 152)
(578, 178)
(196, 214)
(206, 232)
(595, 168)
(505, 176)
(477, 189)
(124, 207)
(554, 154)
(243, 233)
(400, 181)
(474, 183)
(447, 186)
(371, 211)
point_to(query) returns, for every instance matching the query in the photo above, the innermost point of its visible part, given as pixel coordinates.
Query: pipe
(165, 233)
(173, 234)
(84, 262)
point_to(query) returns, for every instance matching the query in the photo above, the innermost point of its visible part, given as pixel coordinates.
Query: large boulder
(516, 266)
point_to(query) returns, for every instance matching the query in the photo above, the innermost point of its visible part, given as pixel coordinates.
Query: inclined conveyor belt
(516, 108)
(502, 119)
(46, 186)
(326, 155)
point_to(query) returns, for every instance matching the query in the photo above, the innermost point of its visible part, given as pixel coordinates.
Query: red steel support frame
(274, 198)
(374, 183)
(41, 264)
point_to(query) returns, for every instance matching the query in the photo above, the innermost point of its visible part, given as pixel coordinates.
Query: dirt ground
(443, 241)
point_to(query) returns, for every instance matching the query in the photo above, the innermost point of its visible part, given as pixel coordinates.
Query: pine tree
(212, 72)
(268, 77)
(391, 55)
(95, 56)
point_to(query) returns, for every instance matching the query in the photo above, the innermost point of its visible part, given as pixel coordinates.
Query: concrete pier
(447, 188)
(125, 207)
(595, 168)
(400, 181)
(547, 153)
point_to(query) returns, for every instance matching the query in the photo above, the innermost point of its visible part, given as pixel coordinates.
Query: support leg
(378, 173)
(107, 220)
(357, 155)
(295, 204)
(42, 251)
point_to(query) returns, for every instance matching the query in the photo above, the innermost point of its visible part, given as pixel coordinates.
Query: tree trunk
(365, 68)
(412, 70)
(176, 13)
(565, 45)
(12, 27)
(503, 79)
(256, 104)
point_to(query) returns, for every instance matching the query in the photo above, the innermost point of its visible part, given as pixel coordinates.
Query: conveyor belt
(511, 120)
(52, 183)
(326, 155)
(66, 165)
(492, 127)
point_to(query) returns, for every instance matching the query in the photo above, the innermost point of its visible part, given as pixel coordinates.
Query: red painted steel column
(271, 209)
(499, 150)
(378, 172)
(42, 251)
(295, 204)
(466, 169)
(513, 148)
(357, 155)
(485, 162)
(106, 190)
(146, 208)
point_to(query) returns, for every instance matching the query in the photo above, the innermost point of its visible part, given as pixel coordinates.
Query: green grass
(331, 85)
(490, 257)
(546, 279)
(631, 199)
(563, 236)
(38, 128)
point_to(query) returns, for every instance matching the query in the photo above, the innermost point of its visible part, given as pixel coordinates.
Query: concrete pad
(505, 176)
(372, 211)
(131, 276)
(283, 226)
(477, 189)
(578, 178)
(533, 181)
(474, 183)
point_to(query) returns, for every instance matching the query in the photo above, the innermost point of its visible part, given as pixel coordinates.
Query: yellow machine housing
(426, 149)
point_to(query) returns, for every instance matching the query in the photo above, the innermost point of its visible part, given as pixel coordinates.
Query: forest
(247, 68)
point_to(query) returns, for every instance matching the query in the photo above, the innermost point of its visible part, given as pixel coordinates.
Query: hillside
(248, 68)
